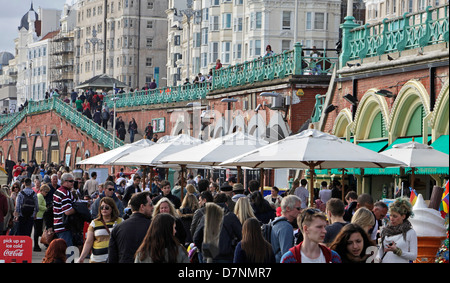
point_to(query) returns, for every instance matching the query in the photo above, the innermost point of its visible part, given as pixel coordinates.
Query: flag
(396, 191)
(443, 208)
(413, 197)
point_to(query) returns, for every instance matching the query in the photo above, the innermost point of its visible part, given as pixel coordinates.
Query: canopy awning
(442, 144)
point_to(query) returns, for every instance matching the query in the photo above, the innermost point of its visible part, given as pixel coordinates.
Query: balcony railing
(415, 30)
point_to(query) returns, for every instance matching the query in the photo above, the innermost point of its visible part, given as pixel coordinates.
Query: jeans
(66, 236)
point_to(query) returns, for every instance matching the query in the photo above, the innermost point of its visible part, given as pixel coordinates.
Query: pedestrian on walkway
(303, 193)
(253, 248)
(109, 191)
(312, 224)
(398, 238)
(132, 129)
(26, 209)
(149, 131)
(282, 235)
(39, 221)
(160, 244)
(99, 231)
(352, 244)
(364, 218)
(167, 193)
(126, 237)
(164, 205)
(132, 189)
(56, 252)
(335, 213)
(62, 205)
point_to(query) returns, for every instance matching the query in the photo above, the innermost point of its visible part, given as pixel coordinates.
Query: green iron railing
(91, 128)
(278, 66)
(415, 30)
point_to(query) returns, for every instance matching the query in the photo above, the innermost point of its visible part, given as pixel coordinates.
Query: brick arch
(440, 117)
(342, 121)
(370, 105)
(411, 96)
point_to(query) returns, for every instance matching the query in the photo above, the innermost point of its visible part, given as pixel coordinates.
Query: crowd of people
(125, 220)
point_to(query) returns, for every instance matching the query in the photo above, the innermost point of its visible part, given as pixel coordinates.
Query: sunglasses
(105, 207)
(70, 181)
(310, 211)
(110, 189)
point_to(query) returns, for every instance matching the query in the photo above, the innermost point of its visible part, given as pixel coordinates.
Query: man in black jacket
(127, 236)
(130, 190)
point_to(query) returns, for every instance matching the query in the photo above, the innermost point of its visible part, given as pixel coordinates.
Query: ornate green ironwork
(91, 128)
(415, 30)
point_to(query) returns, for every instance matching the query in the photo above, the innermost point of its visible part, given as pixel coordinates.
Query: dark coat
(127, 237)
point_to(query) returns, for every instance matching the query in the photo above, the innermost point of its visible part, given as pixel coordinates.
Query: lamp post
(94, 41)
(189, 12)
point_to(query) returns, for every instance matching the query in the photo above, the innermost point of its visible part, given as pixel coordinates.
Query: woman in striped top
(99, 231)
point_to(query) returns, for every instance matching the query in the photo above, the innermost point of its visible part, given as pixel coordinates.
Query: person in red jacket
(311, 223)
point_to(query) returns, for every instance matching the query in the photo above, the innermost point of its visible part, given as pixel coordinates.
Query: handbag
(47, 236)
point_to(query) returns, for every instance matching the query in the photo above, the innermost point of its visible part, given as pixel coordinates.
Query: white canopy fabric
(215, 151)
(112, 155)
(415, 154)
(312, 147)
(152, 155)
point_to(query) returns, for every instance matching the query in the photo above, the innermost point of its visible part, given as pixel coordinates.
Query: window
(285, 45)
(257, 47)
(237, 24)
(204, 36)
(214, 51)
(319, 21)
(237, 51)
(177, 40)
(149, 43)
(258, 19)
(214, 24)
(286, 25)
(149, 24)
(148, 62)
(149, 5)
(226, 52)
(308, 20)
(315, 21)
(226, 21)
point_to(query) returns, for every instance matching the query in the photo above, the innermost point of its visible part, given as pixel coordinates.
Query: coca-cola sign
(15, 249)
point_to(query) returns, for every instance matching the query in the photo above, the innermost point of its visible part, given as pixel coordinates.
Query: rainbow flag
(413, 197)
(443, 208)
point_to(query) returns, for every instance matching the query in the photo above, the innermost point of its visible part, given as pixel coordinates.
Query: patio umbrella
(216, 151)
(106, 158)
(151, 156)
(312, 149)
(415, 154)
(164, 146)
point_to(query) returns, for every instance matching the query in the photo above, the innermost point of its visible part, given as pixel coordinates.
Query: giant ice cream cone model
(429, 226)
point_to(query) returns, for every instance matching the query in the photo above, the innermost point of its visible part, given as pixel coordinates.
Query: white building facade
(130, 41)
(236, 31)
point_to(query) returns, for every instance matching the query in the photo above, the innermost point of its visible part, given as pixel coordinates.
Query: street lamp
(94, 41)
(114, 99)
(189, 12)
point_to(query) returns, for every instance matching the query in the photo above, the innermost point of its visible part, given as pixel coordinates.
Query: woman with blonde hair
(398, 238)
(243, 209)
(364, 218)
(99, 231)
(164, 205)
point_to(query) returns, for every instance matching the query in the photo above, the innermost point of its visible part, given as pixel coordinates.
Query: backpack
(266, 229)
(27, 207)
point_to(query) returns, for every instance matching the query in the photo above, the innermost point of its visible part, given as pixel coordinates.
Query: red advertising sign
(16, 249)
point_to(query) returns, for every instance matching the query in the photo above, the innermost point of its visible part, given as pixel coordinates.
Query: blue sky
(11, 11)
